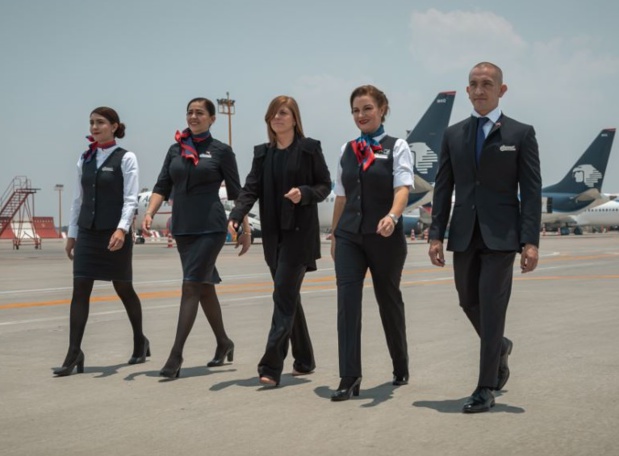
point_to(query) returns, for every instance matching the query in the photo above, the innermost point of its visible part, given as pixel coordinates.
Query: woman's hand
(294, 195)
(147, 222)
(232, 227)
(117, 240)
(69, 246)
(386, 225)
(244, 240)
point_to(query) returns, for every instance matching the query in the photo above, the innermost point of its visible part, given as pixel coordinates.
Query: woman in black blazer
(289, 177)
(194, 168)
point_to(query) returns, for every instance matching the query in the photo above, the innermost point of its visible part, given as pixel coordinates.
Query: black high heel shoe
(142, 358)
(67, 368)
(172, 368)
(400, 380)
(349, 386)
(221, 354)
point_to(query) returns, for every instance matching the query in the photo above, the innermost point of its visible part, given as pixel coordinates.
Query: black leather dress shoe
(481, 400)
(399, 380)
(503, 366)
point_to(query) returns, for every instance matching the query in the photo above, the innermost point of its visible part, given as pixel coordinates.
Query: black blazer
(488, 193)
(298, 234)
(197, 208)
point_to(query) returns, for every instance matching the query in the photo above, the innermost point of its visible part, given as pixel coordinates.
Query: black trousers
(484, 283)
(384, 256)
(288, 324)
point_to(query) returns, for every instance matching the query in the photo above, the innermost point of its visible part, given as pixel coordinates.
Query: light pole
(226, 106)
(59, 188)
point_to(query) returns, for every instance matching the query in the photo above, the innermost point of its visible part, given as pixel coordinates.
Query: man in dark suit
(488, 159)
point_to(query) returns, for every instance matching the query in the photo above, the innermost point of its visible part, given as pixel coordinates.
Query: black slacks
(484, 283)
(288, 324)
(384, 256)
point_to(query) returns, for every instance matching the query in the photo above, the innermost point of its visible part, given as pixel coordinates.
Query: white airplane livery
(161, 221)
(606, 214)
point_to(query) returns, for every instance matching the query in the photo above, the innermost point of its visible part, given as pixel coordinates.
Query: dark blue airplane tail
(426, 138)
(588, 172)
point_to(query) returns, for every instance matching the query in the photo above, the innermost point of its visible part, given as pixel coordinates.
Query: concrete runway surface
(562, 397)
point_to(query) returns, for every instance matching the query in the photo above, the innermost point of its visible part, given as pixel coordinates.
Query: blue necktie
(481, 137)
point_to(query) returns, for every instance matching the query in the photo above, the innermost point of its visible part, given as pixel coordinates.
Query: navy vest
(102, 193)
(369, 194)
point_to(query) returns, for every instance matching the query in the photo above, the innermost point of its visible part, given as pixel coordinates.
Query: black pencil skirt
(198, 255)
(93, 260)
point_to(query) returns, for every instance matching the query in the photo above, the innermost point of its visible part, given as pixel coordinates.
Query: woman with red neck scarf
(99, 240)
(193, 170)
(374, 176)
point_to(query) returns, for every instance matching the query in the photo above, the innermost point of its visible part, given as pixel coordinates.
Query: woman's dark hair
(378, 95)
(112, 117)
(208, 104)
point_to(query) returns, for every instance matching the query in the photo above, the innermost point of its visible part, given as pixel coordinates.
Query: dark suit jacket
(299, 228)
(488, 193)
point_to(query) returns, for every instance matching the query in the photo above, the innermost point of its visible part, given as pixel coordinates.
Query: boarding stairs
(15, 210)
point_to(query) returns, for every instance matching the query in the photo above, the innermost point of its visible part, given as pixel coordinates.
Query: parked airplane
(163, 218)
(425, 143)
(606, 214)
(581, 187)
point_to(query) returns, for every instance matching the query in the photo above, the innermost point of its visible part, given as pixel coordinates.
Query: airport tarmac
(562, 397)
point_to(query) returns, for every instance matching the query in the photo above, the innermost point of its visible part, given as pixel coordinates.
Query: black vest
(369, 194)
(102, 192)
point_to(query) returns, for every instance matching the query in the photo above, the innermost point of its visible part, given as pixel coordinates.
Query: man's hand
(528, 258)
(437, 257)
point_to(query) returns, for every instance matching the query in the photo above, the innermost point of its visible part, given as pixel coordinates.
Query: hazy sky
(59, 59)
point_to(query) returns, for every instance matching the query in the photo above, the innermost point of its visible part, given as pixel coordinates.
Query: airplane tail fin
(587, 174)
(426, 138)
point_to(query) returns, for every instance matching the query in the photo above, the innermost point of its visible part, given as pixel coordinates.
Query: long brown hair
(276, 103)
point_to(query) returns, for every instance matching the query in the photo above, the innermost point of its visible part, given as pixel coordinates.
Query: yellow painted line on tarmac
(320, 284)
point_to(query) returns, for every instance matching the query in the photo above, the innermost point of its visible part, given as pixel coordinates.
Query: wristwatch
(395, 218)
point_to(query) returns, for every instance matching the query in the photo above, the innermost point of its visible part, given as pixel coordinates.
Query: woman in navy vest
(374, 176)
(288, 177)
(193, 170)
(100, 241)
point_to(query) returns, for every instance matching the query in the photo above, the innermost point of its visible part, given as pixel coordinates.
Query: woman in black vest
(374, 175)
(193, 170)
(289, 177)
(99, 240)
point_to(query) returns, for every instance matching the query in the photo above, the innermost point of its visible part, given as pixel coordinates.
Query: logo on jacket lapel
(586, 174)
(505, 148)
(206, 154)
(382, 154)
